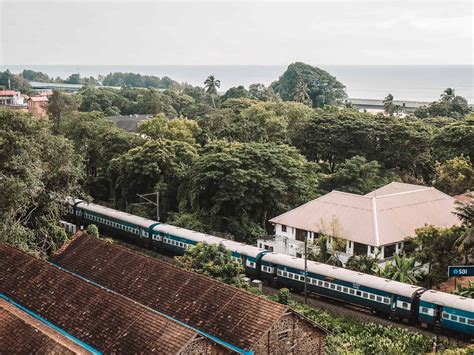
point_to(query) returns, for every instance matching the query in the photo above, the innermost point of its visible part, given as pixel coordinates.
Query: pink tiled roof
(39, 98)
(384, 216)
(7, 92)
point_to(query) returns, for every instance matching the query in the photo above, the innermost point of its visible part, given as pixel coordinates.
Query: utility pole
(306, 268)
(155, 203)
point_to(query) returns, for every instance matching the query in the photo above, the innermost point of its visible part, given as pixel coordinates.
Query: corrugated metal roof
(228, 313)
(385, 216)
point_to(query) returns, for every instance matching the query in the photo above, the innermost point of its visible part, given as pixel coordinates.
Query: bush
(92, 230)
(284, 296)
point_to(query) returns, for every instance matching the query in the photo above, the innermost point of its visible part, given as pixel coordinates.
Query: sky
(225, 32)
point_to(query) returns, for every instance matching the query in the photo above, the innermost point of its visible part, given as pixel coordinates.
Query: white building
(377, 223)
(11, 98)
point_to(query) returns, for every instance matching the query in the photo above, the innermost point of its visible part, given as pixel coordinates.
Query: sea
(404, 82)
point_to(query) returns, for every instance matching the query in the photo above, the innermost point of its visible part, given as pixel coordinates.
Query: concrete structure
(37, 106)
(376, 224)
(236, 317)
(11, 99)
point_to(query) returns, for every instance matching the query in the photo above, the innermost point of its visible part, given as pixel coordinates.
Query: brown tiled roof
(102, 319)
(226, 312)
(20, 333)
(39, 98)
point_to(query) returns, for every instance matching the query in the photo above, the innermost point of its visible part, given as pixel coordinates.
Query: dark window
(372, 249)
(358, 293)
(462, 319)
(360, 249)
(283, 228)
(445, 315)
(453, 317)
(300, 234)
(282, 336)
(470, 321)
(389, 250)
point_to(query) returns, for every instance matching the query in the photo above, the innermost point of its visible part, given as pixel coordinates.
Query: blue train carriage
(249, 256)
(133, 228)
(176, 240)
(379, 294)
(451, 312)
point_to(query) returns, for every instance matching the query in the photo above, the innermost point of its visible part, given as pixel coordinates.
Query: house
(238, 318)
(375, 224)
(37, 106)
(93, 317)
(11, 99)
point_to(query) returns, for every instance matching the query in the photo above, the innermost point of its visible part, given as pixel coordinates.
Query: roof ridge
(427, 188)
(375, 221)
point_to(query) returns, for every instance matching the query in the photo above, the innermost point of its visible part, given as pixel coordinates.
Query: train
(406, 302)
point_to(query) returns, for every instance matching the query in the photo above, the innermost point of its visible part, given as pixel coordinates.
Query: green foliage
(32, 75)
(284, 296)
(178, 129)
(455, 176)
(436, 246)
(351, 336)
(60, 105)
(38, 172)
(402, 269)
(138, 80)
(465, 291)
(211, 85)
(363, 263)
(465, 243)
(261, 93)
(214, 261)
(454, 140)
(302, 81)
(92, 230)
(449, 105)
(247, 182)
(17, 82)
(357, 175)
(188, 220)
(238, 92)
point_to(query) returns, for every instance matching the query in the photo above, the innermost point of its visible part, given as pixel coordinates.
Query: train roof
(347, 275)
(243, 248)
(449, 300)
(188, 234)
(109, 212)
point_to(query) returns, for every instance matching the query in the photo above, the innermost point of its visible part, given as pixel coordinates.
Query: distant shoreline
(404, 82)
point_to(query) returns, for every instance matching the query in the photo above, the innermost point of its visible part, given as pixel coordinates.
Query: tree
(363, 263)
(388, 103)
(321, 87)
(158, 165)
(15, 82)
(155, 102)
(92, 230)
(212, 84)
(235, 93)
(178, 129)
(214, 261)
(436, 247)
(301, 93)
(454, 140)
(261, 93)
(38, 172)
(449, 105)
(73, 79)
(238, 186)
(284, 296)
(465, 243)
(455, 176)
(402, 269)
(465, 291)
(60, 105)
(357, 175)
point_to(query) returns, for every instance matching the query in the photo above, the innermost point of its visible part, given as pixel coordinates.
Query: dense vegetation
(227, 163)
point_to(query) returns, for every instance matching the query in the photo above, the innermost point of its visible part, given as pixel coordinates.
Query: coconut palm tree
(212, 84)
(465, 243)
(301, 92)
(402, 269)
(447, 94)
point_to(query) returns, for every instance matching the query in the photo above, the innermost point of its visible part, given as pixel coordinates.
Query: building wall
(291, 335)
(38, 109)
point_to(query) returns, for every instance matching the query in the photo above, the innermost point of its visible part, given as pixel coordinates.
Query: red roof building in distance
(37, 105)
(99, 319)
(8, 93)
(237, 317)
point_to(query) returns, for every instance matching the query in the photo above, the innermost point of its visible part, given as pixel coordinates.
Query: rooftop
(101, 318)
(39, 98)
(228, 313)
(384, 216)
(8, 93)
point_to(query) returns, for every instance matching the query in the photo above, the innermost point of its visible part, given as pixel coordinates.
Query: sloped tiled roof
(384, 216)
(7, 93)
(20, 333)
(228, 313)
(100, 318)
(39, 98)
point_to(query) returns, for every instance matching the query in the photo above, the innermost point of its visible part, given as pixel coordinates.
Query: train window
(365, 295)
(358, 293)
(345, 289)
(372, 297)
(462, 319)
(386, 300)
(332, 286)
(301, 278)
(285, 274)
(453, 317)
(424, 310)
(379, 299)
(445, 315)
(351, 291)
(326, 284)
(339, 288)
(405, 305)
(470, 321)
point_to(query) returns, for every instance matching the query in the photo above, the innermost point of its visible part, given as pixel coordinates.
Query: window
(445, 315)
(358, 293)
(332, 286)
(285, 274)
(283, 228)
(351, 291)
(405, 305)
(326, 284)
(360, 249)
(344, 289)
(462, 320)
(379, 299)
(470, 321)
(260, 245)
(339, 288)
(300, 235)
(320, 283)
(282, 336)
(365, 295)
(453, 317)
(372, 249)
(424, 310)
(372, 297)
(386, 300)
(389, 250)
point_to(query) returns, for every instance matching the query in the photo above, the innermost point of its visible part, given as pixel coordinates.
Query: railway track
(334, 306)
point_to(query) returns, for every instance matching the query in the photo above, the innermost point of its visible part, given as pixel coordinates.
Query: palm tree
(447, 94)
(465, 291)
(301, 92)
(465, 243)
(363, 263)
(211, 84)
(387, 103)
(402, 269)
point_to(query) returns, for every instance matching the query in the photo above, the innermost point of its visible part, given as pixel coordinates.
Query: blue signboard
(460, 270)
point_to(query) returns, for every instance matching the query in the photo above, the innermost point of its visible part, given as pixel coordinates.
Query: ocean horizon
(404, 82)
